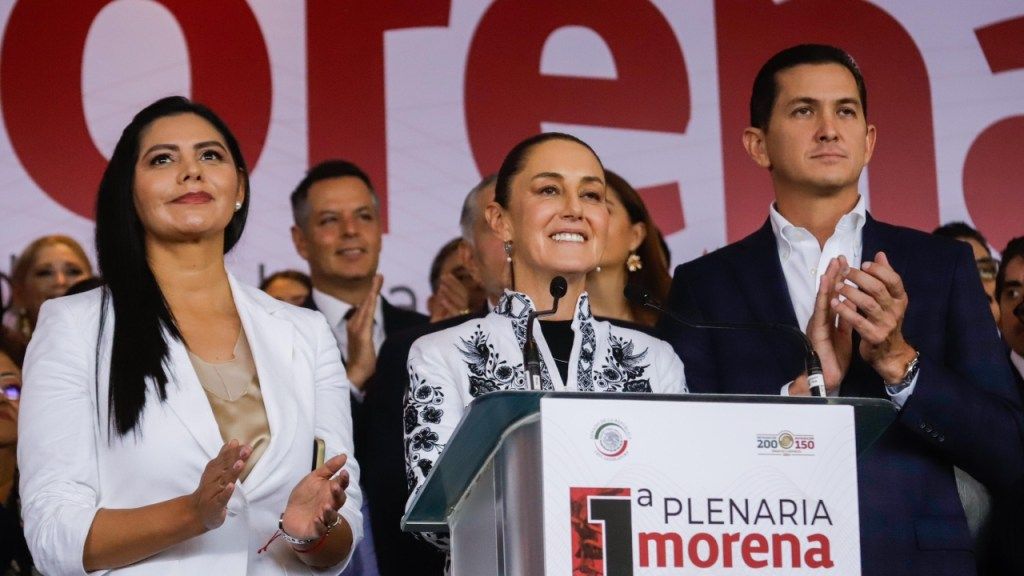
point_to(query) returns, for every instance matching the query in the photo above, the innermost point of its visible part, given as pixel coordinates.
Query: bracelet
(305, 541)
(291, 539)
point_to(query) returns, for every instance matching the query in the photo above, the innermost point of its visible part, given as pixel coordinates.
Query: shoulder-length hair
(141, 315)
(654, 274)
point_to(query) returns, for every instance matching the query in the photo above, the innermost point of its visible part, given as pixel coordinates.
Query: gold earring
(634, 263)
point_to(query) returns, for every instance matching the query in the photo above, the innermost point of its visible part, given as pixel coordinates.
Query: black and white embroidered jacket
(447, 369)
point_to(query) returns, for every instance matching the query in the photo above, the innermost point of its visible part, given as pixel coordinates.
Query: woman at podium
(550, 210)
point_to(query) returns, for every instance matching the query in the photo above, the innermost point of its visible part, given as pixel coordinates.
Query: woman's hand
(314, 502)
(210, 500)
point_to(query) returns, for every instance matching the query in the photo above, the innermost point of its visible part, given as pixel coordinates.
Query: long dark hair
(654, 274)
(139, 352)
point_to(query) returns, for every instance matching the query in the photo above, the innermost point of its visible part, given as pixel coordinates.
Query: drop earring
(508, 251)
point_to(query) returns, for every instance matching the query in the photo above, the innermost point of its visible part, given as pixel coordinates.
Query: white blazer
(72, 464)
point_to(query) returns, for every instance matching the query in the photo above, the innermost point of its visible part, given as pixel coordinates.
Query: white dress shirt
(335, 310)
(804, 263)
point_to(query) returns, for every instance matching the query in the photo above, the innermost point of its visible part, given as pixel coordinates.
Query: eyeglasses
(12, 391)
(987, 268)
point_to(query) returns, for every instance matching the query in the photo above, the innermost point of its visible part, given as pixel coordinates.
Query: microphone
(815, 379)
(531, 354)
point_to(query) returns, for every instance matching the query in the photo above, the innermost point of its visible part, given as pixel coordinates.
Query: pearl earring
(508, 251)
(238, 206)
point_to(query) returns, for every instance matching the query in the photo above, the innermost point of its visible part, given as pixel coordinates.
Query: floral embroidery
(622, 371)
(422, 445)
(588, 346)
(487, 371)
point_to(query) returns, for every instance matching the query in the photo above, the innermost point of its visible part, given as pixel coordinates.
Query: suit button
(934, 434)
(941, 439)
(922, 425)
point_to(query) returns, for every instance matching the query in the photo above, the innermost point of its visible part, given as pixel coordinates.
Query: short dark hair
(325, 170)
(442, 255)
(139, 353)
(289, 275)
(766, 86)
(516, 157)
(1014, 249)
(12, 345)
(958, 230)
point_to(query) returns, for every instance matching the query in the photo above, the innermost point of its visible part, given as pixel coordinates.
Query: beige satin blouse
(233, 388)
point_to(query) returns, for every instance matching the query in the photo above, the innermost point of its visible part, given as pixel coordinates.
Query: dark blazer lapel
(758, 271)
(877, 237)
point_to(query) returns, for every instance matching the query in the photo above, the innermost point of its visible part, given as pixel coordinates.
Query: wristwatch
(908, 376)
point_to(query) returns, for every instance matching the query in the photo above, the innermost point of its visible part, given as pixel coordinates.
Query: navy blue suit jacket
(965, 409)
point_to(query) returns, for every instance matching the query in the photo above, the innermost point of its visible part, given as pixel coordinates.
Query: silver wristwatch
(908, 375)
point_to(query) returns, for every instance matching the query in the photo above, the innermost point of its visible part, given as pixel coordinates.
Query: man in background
(338, 232)
(987, 265)
(383, 469)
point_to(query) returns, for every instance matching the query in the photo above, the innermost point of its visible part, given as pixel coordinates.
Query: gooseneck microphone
(531, 354)
(815, 379)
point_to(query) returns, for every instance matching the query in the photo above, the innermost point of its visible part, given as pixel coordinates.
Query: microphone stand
(812, 363)
(531, 354)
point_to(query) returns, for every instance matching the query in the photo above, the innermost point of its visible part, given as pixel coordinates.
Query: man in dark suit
(338, 232)
(384, 465)
(1010, 295)
(893, 313)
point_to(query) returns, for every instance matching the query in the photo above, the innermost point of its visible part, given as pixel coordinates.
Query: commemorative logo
(611, 439)
(785, 443)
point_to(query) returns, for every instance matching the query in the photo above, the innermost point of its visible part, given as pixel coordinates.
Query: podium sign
(636, 488)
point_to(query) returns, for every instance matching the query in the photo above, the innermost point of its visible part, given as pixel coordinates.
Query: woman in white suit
(168, 419)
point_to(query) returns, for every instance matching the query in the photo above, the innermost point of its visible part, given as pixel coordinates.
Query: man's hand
(450, 300)
(362, 355)
(875, 306)
(829, 334)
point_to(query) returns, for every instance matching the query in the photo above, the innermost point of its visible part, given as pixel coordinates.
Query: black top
(559, 336)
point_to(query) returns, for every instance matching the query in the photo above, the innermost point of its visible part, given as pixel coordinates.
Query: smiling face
(817, 140)
(557, 217)
(341, 238)
(186, 182)
(10, 377)
(54, 269)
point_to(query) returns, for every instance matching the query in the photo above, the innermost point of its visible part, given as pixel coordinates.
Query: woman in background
(289, 286)
(169, 418)
(633, 256)
(46, 269)
(14, 554)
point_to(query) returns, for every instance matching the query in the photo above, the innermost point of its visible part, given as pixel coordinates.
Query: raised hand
(362, 355)
(830, 334)
(450, 300)
(314, 502)
(210, 499)
(875, 306)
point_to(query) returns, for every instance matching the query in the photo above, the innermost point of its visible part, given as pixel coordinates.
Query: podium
(488, 488)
